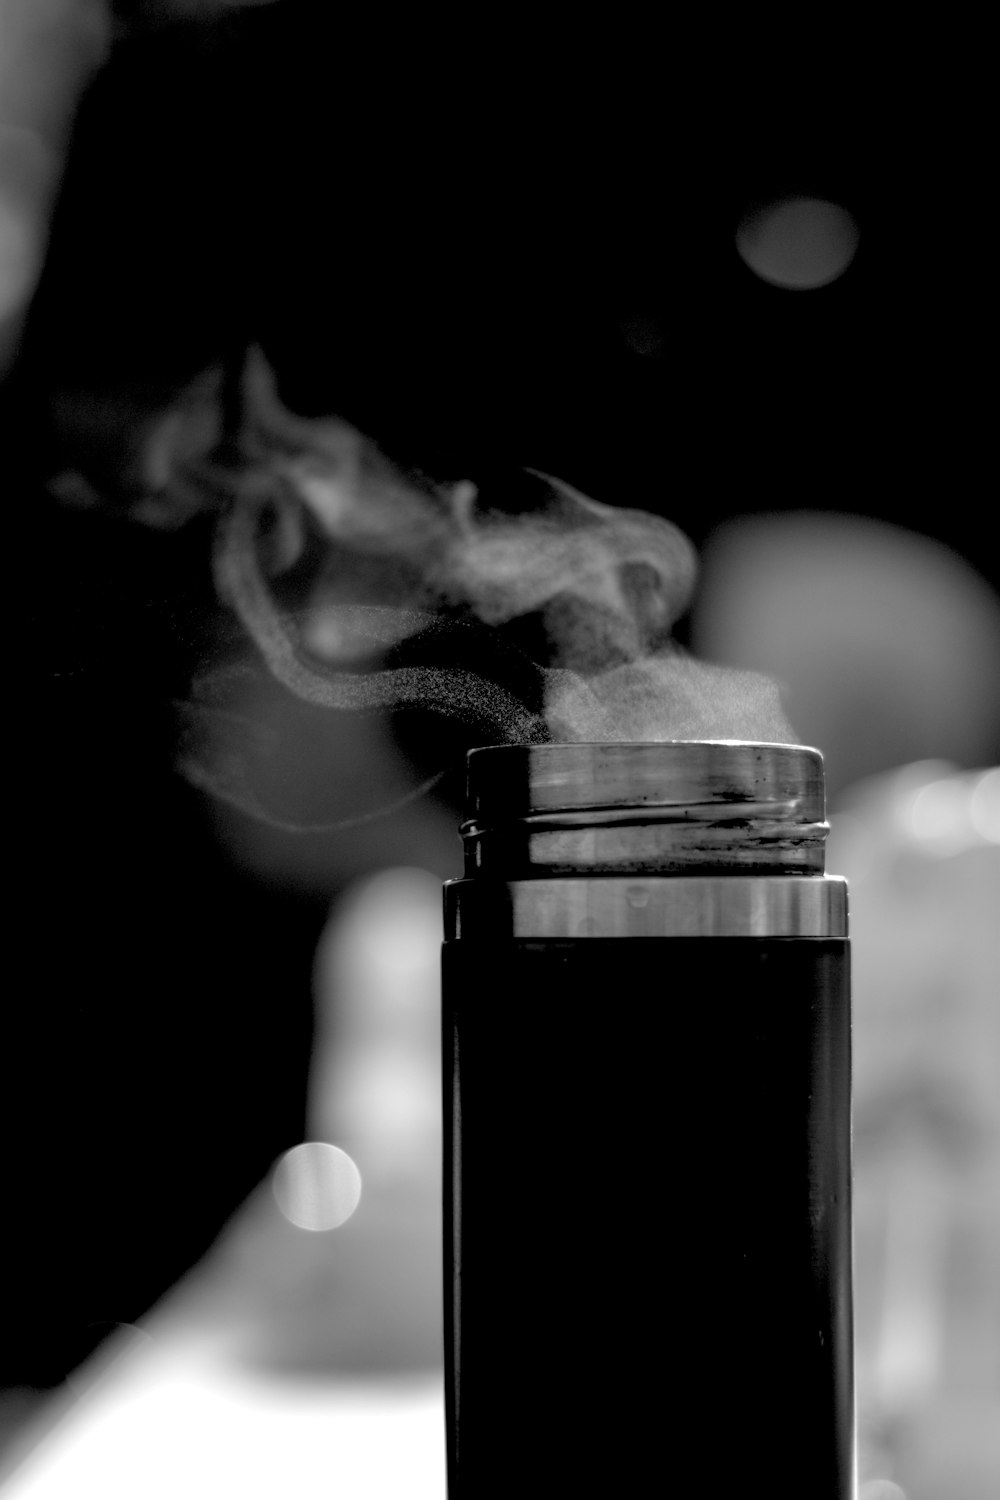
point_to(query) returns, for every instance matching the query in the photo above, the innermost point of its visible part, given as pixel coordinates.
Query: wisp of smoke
(339, 563)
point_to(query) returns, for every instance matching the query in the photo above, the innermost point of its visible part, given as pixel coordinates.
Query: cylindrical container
(647, 1185)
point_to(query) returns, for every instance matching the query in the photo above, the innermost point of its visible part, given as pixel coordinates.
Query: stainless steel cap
(720, 806)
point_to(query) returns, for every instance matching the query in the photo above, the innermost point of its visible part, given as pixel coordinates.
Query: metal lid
(730, 806)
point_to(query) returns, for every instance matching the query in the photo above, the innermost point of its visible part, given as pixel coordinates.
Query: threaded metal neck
(680, 806)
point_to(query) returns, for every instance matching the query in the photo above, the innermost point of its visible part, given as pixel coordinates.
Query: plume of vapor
(367, 588)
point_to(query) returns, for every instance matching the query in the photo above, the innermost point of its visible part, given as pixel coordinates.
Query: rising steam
(338, 564)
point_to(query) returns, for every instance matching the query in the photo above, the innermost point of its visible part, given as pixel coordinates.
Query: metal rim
(810, 906)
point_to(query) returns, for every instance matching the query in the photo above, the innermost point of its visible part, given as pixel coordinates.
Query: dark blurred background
(487, 251)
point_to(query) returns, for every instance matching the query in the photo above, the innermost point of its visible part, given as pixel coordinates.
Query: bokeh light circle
(798, 243)
(880, 1489)
(316, 1185)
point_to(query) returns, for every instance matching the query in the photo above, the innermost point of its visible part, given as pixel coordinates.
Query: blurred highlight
(798, 243)
(26, 168)
(187, 1423)
(48, 51)
(886, 643)
(376, 1072)
(119, 1341)
(317, 1186)
(921, 848)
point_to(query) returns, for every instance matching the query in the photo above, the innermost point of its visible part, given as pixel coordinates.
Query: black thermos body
(647, 1120)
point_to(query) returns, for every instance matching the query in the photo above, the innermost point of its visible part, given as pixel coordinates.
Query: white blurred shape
(26, 175)
(911, 1331)
(942, 814)
(886, 643)
(181, 1420)
(925, 893)
(799, 243)
(120, 1341)
(376, 1072)
(48, 48)
(984, 805)
(18, 254)
(317, 1186)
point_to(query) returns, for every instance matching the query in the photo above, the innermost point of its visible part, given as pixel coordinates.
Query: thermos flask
(647, 1119)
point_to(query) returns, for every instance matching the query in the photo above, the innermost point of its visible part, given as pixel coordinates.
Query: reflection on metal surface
(654, 907)
(733, 805)
(514, 780)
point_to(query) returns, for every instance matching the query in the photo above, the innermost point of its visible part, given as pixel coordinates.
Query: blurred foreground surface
(921, 848)
(263, 1375)
(303, 1356)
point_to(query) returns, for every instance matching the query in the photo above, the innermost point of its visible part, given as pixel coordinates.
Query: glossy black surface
(651, 1208)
